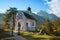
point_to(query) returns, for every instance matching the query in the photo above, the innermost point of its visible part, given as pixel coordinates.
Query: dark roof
(29, 16)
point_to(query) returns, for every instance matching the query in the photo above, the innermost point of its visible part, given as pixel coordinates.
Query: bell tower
(29, 10)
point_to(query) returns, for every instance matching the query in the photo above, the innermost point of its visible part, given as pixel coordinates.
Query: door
(27, 26)
(19, 25)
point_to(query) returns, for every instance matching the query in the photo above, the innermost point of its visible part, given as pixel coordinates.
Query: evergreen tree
(6, 20)
(12, 15)
(48, 26)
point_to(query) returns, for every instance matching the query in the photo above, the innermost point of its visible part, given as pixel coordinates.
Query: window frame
(32, 23)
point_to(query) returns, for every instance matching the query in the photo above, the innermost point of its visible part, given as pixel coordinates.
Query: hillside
(40, 20)
(1, 17)
(46, 15)
(1, 20)
(40, 17)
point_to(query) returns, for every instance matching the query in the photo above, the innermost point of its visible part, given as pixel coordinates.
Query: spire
(29, 10)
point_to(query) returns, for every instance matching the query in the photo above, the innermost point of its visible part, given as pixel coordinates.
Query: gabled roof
(28, 15)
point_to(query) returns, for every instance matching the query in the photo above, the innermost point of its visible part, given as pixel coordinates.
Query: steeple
(29, 10)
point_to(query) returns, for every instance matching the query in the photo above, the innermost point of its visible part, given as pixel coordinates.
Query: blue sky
(36, 5)
(51, 6)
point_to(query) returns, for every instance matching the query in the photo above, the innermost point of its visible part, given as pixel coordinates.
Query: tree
(48, 26)
(12, 14)
(6, 21)
(19, 28)
(56, 25)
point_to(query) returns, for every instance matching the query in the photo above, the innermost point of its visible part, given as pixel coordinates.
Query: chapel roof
(29, 16)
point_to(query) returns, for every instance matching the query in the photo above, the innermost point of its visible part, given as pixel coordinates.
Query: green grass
(36, 36)
(4, 34)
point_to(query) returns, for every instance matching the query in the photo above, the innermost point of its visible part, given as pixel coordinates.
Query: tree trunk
(19, 28)
(13, 24)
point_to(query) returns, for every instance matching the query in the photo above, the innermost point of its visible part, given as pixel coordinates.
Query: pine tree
(48, 26)
(12, 15)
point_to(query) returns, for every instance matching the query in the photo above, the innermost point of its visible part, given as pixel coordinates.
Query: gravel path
(15, 37)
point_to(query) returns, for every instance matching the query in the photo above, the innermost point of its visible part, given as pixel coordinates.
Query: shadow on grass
(30, 36)
(4, 34)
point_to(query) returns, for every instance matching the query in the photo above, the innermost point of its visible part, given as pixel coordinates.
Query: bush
(1, 30)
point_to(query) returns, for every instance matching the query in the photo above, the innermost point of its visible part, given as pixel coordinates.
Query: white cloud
(49, 11)
(35, 12)
(54, 6)
(2, 10)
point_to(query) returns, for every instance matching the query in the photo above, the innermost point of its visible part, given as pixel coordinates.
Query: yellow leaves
(8, 30)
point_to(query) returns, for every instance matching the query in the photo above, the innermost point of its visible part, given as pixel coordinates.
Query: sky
(51, 6)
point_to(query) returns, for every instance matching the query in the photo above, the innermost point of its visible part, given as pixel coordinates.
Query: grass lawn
(4, 34)
(36, 36)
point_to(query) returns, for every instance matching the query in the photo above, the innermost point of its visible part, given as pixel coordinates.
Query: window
(19, 25)
(32, 23)
(27, 24)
